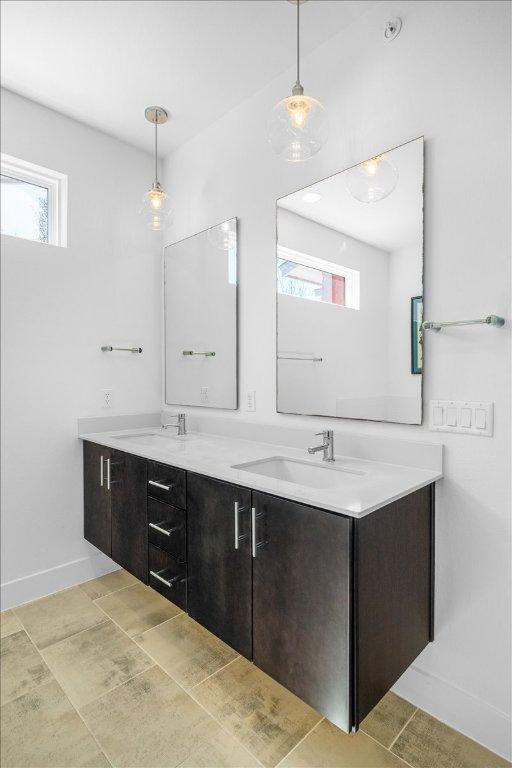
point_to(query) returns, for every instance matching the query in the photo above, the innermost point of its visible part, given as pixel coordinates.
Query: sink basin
(154, 439)
(300, 472)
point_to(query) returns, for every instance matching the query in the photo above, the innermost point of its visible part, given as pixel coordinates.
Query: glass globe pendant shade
(156, 207)
(373, 180)
(223, 236)
(297, 127)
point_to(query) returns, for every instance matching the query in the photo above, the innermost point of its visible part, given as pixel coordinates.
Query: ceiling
(104, 61)
(393, 223)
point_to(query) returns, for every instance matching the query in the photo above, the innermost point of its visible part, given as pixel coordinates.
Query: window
(34, 201)
(309, 277)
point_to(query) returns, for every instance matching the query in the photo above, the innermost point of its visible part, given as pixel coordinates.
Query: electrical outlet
(107, 398)
(204, 394)
(250, 401)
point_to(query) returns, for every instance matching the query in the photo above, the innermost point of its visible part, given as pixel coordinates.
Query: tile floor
(110, 673)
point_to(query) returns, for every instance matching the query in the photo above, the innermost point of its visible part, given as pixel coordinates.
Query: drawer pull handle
(161, 485)
(164, 530)
(168, 583)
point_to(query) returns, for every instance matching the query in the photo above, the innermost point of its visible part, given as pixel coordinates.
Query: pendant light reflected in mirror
(156, 204)
(223, 236)
(297, 127)
(373, 180)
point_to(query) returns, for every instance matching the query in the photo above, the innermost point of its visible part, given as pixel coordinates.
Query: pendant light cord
(298, 41)
(156, 147)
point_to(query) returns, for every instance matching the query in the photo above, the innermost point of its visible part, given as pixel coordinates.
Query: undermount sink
(155, 439)
(300, 472)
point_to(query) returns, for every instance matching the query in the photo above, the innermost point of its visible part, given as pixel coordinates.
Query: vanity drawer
(167, 484)
(167, 576)
(167, 528)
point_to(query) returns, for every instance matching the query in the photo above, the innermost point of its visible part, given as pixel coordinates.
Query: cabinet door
(219, 573)
(301, 608)
(129, 513)
(97, 523)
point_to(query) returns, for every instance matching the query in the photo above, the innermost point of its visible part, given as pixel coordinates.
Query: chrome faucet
(327, 446)
(180, 424)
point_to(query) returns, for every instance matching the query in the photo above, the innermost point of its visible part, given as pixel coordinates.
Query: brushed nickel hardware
(108, 474)
(167, 582)
(254, 544)
(181, 423)
(165, 531)
(306, 359)
(238, 538)
(109, 348)
(161, 485)
(190, 352)
(327, 446)
(494, 320)
(101, 471)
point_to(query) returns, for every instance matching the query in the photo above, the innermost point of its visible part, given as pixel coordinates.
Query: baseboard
(44, 583)
(461, 710)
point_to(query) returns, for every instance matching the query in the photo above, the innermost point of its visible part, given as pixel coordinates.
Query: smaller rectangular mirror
(200, 309)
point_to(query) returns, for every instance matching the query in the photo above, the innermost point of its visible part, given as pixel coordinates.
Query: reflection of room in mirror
(346, 274)
(201, 319)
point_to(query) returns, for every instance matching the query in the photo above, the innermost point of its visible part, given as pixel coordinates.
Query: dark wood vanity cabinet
(301, 602)
(115, 506)
(335, 608)
(220, 568)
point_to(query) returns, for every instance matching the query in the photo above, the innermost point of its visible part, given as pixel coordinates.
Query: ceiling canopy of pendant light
(297, 127)
(156, 204)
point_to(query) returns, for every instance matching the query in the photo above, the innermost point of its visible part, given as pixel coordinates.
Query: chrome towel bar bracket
(108, 348)
(489, 320)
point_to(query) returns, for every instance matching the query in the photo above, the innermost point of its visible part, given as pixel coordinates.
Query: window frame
(352, 276)
(57, 185)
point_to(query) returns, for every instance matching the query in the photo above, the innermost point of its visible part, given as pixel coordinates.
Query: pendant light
(156, 206)
(373, 180)
(297, 127)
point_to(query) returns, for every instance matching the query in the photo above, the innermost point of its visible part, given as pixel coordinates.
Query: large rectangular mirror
(350, 292)
(200, 308)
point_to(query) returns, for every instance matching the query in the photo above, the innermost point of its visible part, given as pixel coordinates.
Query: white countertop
(367, 485)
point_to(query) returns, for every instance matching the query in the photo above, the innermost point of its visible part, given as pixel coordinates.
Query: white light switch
(451, 416)
(250, 402)
(465, 418)
(461, 416)
(480, 418)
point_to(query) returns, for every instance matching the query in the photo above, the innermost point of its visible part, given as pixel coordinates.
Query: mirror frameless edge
(200, 319)
(349, 292)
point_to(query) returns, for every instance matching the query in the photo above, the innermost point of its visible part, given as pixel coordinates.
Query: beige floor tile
(58, 616)
(9, 623)
(108, 583)
(187, 651)
(388, 718)
(93, 662)
(223, 751)
(264, 716)
(328, 747)
(138, 608)
(42, 729)
(21, 665)
(428, 743)
(149, 722)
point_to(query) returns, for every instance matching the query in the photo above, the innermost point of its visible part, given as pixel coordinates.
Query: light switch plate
(466, 418)
(250, 400)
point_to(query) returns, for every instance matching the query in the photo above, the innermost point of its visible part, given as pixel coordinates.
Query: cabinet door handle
(108, 474)
(164, 530)
(161, 485)
(168, 583)
(238, 538)
(253, 530)
(101, 471)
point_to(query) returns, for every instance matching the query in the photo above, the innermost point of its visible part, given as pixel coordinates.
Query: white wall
(59, 305)
(447, 76)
